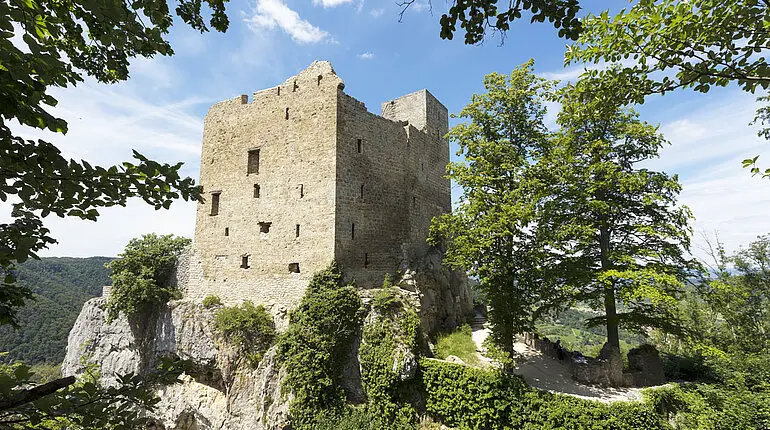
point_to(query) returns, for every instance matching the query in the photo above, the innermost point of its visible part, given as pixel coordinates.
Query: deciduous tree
(616, 224)
(46, 44)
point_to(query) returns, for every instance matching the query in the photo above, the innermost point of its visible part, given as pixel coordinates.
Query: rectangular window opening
(366, 260)
(296, 231)
(287, 113)
(301, 191)
(353, 230)
(414, 202)
(295, 86)
(214, 204)
(252, 165)
(227, 231)
(293, 267)
(279, 91)
(264, 227)
(256, 191)
(361, 196)
(360, 145)
(245, 262)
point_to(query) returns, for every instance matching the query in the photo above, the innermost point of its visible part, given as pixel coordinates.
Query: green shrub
(211, 300)
(249, 327)
(315, 347)
(387, 339)
(472, 398)
(140, 277)
(459, 344)
(711, 406)
(387, 300)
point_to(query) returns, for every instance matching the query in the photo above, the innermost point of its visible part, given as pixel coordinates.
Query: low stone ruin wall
(644, 365)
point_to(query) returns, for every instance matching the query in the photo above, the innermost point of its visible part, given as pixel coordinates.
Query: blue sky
(160, 110)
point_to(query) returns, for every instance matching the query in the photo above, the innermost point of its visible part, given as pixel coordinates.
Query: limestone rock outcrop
(221, 393)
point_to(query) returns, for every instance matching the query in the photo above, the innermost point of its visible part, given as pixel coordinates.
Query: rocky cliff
(223, 391)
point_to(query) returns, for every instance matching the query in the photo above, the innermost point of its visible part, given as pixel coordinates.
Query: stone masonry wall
(390, 184)
(293, 127)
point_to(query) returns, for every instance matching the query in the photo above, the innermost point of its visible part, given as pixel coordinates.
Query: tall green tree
(46, 44)
(491, 231)
(616, 224)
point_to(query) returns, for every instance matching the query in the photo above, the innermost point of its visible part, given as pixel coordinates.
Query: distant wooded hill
(61, 286)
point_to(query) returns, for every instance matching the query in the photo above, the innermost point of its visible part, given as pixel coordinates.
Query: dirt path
(552, 375)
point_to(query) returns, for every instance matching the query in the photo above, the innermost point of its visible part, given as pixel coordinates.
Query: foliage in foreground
(251, 328)
(80, 405)
(315, 347)
(50, 44)
(140, 277)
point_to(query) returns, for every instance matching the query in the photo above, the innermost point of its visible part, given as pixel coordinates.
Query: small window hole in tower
(422, 164)
(245, 262)
(227, 231)
(252, 162)
(214, 204)
(287, 113)
(361, 195)
(319, 79)
(256, 191)
(264, 227)
(353, 231)
(294, 89)
(244, 99)
(366, 260)
(414, 202)
(360, 145)
(296, 231)
(279, 91)
(301, 191)
(293, 267)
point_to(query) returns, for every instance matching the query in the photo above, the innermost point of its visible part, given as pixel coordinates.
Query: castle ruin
(302, 174)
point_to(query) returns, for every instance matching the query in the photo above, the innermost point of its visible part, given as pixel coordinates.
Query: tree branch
(35, 393)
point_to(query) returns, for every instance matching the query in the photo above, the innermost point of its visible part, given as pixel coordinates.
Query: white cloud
(331, 3)
(366, 56)
(376, 12)
(105, 123)
(707, 146)
(270, 14)
(420, 6)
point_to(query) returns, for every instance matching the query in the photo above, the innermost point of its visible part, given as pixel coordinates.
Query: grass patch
(459, 344)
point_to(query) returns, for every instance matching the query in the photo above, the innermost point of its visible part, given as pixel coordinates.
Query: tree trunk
(610, 308)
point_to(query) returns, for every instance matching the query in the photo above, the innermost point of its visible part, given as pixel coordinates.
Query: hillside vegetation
(60, 285)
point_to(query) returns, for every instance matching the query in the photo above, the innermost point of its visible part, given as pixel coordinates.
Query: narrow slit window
(214, 204)
(256, 191)
(227, 231)
(293, 267)
(252, 165)
(422, 166)
(353, 230)
(279, 91)
(264, 227)
(245, 262)
(414, 202)
(301, 191)
(319, 79)
(360, 145)
(295, 86)
(366, 260)
(296, 231)
(361, 194)
(287, 113)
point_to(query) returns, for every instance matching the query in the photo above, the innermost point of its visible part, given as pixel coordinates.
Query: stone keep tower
(302, 174)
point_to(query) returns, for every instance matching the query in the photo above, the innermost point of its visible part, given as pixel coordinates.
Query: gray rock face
(222, 394)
